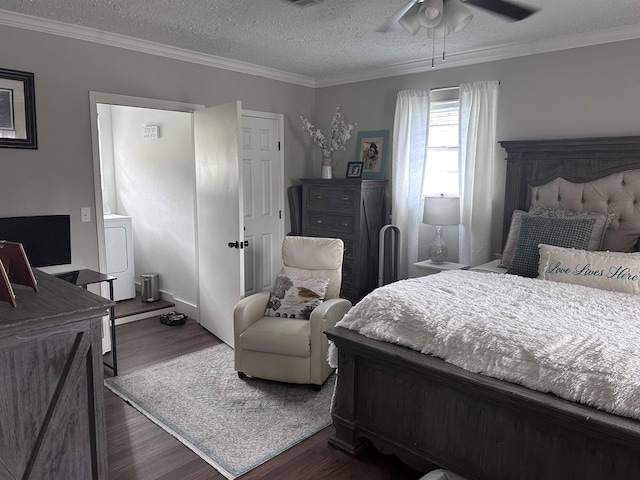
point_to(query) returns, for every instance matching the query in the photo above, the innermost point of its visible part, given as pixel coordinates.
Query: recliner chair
(292, 350)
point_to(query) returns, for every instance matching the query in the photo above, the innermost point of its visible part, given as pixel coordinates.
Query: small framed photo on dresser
(354, 169)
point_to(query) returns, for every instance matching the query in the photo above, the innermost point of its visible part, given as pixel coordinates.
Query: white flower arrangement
(338, 136)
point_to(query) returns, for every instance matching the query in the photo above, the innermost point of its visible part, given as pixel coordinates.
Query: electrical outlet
(85, 214)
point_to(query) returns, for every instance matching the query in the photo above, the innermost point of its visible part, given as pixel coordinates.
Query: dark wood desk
(51, 387)
(85, 277)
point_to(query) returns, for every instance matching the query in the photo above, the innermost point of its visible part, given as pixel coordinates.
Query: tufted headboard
(589, 175)
(615, 194)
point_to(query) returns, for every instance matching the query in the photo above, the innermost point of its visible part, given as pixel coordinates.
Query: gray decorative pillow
(512, 238)
(603, 221)
(561, 232)
(295, 297)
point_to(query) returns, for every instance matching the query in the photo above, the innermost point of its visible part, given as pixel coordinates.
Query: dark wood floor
(134, 306)
(140, 450)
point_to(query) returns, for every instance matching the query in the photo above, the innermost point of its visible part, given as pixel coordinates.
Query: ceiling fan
(431, 13)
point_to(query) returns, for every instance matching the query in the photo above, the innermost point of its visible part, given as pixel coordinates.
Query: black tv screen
(46, 238)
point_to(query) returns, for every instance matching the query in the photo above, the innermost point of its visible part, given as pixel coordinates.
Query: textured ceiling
(335, 38)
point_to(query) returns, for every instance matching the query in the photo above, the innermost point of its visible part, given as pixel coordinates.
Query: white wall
(152, 181)
(109, 203)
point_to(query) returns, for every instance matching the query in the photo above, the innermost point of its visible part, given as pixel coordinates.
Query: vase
(438, 250)
(327, 164)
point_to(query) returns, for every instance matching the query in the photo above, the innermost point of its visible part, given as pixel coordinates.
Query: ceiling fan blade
(392, 24)
(502, 7)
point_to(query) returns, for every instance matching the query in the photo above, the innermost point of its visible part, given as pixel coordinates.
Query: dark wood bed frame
(432, 414)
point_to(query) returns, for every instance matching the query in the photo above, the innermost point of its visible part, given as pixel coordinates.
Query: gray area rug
(233, 424)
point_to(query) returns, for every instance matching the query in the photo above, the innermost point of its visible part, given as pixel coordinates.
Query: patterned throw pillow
(295, 297)
(603, 222)
(562, 232)
(600, 227)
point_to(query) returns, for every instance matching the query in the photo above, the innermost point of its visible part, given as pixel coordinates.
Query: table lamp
(439, 211)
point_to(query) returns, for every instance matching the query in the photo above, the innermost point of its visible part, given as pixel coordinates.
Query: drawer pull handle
(345, 197)
(318, 221)
(344, 224)
(319, 197)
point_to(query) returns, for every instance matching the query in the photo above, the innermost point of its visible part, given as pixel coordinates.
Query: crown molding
(53, 27)
(619, 34)
(567, 42)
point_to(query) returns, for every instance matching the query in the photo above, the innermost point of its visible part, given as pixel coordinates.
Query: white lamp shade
(457, 15)
(430, 13)
(440, 31)
(441, 210)
(409, 20)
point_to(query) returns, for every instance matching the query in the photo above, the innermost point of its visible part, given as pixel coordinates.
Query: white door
(262, 178)
(218, 220)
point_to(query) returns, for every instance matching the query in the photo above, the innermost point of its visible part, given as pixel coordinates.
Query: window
(441, 169)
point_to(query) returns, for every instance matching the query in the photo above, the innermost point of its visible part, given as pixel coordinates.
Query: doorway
(172, 196)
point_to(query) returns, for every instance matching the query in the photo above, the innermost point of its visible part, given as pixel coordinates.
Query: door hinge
(278, 146)
(280, 214)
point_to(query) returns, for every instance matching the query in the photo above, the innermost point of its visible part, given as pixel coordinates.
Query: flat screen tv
(46, 238)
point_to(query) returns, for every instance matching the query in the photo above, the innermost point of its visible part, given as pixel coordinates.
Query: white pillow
(614, 271)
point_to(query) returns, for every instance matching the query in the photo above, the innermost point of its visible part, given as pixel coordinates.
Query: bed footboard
(430, 413)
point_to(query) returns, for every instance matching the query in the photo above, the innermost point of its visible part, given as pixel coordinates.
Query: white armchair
(292, 350)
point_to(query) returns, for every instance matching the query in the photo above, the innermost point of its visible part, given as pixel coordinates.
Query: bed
(434, 414)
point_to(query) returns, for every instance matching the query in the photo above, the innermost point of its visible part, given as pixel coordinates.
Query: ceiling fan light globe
(430, 13)
(409, 21)
(439, 31)
(457, 14)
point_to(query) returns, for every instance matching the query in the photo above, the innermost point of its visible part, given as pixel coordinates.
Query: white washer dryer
(118, 236)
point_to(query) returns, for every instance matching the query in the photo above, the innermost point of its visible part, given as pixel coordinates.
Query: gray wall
(590, 91)
(584, 92)
(58, 176)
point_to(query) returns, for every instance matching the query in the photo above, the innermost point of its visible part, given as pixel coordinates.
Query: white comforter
(580, 343)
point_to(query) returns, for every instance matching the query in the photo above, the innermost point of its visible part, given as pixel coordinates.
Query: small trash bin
(150, 283)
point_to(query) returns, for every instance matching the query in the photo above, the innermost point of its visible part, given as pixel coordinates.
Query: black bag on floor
(173, 318)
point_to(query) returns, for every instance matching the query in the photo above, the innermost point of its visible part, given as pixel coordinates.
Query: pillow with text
(614, 271)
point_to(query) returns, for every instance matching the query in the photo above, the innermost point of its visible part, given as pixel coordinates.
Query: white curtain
(478, 112)
(410, 126)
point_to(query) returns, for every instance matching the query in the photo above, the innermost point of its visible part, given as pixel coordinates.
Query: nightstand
(427, 267)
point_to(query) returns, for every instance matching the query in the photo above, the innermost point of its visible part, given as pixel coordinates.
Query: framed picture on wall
(17, 109)
(372, 152)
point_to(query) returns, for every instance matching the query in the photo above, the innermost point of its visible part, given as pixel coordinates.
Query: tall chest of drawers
(355, 211)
